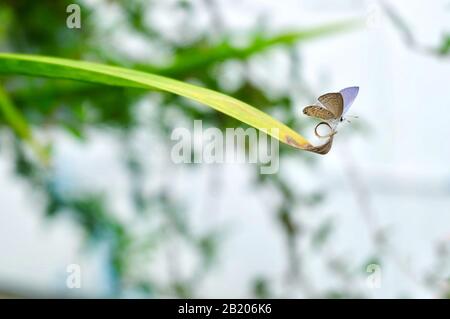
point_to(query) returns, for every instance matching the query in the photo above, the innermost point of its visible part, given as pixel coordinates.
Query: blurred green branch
(104, 74)
(20, 126)
(204, 56)
(408, 36)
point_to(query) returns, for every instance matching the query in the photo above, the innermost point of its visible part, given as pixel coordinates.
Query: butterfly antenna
(351, 116)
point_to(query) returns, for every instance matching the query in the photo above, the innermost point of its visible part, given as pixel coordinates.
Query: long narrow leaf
(110, 75)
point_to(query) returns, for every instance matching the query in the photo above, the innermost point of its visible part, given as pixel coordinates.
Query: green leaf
(13, 116)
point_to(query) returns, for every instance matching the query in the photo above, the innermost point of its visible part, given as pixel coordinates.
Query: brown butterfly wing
(334, 103)
(319, 112)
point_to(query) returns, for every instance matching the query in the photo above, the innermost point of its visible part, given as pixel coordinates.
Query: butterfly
(333, 106)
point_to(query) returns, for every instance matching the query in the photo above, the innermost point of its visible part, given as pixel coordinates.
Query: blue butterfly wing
(349, 95)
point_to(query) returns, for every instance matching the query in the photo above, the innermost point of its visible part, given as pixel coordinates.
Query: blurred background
(112, 201)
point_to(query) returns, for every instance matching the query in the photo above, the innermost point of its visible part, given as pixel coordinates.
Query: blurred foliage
(441, 50)
(189, 54)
